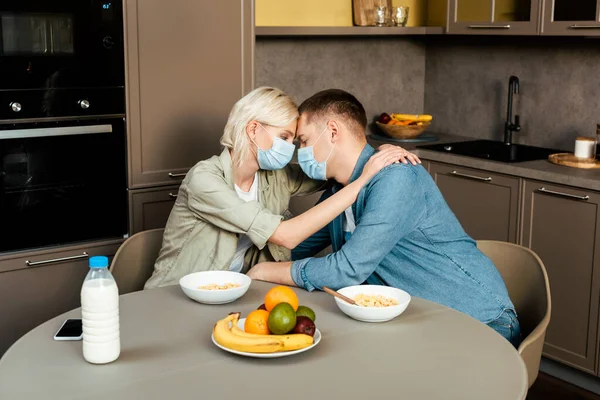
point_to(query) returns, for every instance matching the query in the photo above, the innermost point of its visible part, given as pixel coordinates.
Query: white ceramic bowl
(373, 314)
(190, 285)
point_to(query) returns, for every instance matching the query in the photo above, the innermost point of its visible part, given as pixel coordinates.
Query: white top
(349, 223)
(244, 243)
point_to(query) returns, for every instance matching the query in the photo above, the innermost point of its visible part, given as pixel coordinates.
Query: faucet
(509, 126)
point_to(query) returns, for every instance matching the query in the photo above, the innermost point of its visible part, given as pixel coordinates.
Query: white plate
(317, 339)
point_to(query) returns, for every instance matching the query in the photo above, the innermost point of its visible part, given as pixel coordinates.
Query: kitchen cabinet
(561, 224)
(486, 204)
(562, 17)
(187, 63)
(150, 208)
(493, 17)
(38, 286)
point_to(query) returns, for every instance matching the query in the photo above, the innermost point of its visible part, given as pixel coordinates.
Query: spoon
(339, 295)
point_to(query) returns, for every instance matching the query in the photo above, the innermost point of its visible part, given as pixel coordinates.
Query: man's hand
(405, 154)
(275, 272)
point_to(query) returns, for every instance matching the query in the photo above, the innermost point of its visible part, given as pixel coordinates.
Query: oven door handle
(46, 132)
(44, 262)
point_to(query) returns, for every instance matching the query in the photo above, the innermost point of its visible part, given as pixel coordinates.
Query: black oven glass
(36, 34)
(62, 184)
(61, 44)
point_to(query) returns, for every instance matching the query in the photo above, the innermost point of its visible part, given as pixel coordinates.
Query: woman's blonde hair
(267, 105)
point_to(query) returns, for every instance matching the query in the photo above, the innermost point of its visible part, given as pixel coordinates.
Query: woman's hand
(381, 159)
(406, 154)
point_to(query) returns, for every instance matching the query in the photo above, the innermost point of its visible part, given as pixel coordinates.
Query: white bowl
(190, 285)
(373, 314)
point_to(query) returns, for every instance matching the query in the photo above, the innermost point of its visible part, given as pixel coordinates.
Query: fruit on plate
(282, 319)
(305, 325)
(304, 311)
(281, 294)
(227, 333)
(257, 322)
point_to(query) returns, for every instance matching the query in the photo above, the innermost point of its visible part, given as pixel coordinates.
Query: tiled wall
(385, 74)
(462, 81)
(466, 87)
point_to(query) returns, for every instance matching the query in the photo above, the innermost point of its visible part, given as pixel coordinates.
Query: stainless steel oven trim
(63, 131)
(59, 119)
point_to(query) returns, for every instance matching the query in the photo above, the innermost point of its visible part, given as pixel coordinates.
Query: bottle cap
(98, 262)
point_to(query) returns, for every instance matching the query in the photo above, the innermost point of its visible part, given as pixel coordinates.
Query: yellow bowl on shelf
(403, 131)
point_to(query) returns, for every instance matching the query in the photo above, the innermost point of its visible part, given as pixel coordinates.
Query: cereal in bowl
(374, 300)
(214, 286)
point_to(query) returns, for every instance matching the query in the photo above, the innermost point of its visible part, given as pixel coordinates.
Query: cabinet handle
(172, 195)
(477, 178)
(489, 26)
(172, 175)
(584, 26)
(33, 264)
(567, 195)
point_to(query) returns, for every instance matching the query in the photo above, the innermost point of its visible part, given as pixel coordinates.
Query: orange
(281, 294)
(257, 322)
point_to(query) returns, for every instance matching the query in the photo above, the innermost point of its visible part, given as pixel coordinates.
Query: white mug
(585, 147)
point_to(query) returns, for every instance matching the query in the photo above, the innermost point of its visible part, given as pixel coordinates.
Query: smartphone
(71, 329)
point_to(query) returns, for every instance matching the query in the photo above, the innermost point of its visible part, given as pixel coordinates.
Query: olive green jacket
(208, 216)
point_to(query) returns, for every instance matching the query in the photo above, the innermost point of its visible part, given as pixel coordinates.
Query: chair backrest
(527, 283)
(133, 263)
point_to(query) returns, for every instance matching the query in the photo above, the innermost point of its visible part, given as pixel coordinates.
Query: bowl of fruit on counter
(277, 328)
(403, 126)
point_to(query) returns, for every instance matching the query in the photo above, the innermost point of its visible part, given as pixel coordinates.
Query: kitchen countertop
(542, 170)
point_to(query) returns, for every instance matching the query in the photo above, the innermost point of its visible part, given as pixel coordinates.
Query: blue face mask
(311, 167)
(278, 156)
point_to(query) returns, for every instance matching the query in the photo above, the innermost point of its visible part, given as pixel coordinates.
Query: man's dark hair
(335, 102)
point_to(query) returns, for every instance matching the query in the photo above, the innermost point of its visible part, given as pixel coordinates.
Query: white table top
(428, 352)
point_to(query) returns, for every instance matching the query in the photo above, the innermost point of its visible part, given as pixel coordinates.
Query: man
(400, 232)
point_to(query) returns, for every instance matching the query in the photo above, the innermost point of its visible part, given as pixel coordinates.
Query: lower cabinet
(561, 224)
(150, 208)
(40, 285)
(486, 204)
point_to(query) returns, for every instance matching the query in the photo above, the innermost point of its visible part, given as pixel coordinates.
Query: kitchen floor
(547, 387)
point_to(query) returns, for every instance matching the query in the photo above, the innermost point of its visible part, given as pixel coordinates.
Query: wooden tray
(569, 160)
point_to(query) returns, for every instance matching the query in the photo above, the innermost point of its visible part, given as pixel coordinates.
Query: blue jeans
(508, 326)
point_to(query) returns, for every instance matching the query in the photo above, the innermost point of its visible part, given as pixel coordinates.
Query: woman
(229, 210)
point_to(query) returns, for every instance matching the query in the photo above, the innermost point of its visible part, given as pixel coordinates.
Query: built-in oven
(62, 183)
(57, 54)
(63, 165)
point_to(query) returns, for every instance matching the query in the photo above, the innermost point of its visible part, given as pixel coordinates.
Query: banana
(412, 117)
(236, 339)
(294, 341)
(226, 338)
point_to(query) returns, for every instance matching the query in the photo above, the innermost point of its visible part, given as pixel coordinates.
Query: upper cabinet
(188, 62)
(562, 17)
(493, 17)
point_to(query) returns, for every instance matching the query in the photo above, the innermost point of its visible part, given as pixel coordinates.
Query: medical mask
(278, 156)
(311, 167)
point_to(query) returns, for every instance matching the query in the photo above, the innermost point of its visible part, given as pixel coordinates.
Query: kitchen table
(428, 352)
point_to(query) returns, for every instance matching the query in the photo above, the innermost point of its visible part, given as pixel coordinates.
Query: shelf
(346, 30)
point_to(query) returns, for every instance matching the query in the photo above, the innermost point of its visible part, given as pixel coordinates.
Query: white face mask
(278, 156)
(311, 167)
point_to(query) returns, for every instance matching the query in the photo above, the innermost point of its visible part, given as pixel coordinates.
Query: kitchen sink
(493, 150)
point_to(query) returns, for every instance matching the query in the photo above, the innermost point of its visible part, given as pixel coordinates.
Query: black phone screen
(71, 328)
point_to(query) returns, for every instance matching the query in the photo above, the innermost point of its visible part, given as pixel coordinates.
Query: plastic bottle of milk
(100, 314)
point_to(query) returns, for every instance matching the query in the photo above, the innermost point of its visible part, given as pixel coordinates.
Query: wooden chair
(133, 263)
(527, 282)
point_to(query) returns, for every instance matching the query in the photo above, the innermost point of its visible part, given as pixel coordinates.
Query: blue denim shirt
(407, 237)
